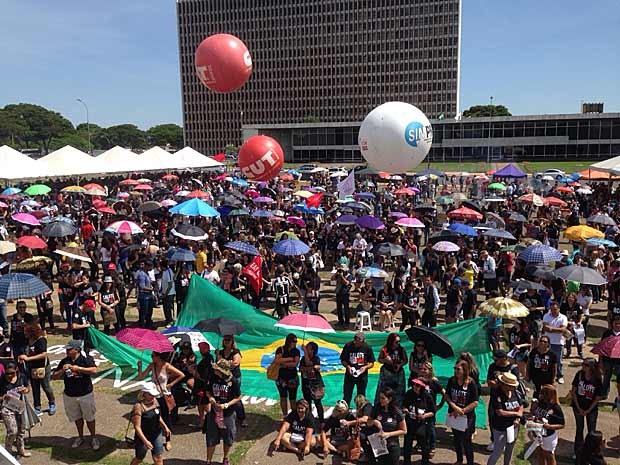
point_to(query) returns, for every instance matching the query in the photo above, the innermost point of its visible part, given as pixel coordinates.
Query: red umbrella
(10, 196)
(106, 209)
(198, 194)
(565, 190)
(129, 182)
(608, 347)
(221, 177)
(143, 187)
(32, 242)
(404, 191)
(554, 202)
(219, 157)
(98, 203)
(145, 339)
(465, 213)
(93, 185)
(170, 177)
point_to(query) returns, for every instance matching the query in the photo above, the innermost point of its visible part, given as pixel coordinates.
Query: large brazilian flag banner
(261, 339)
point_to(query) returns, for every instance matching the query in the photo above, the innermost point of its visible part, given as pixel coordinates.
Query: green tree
(166, 134)
(126, 135)
(42, 125)
(13, 131)
(230, 149)
(74, 139)
(479, 111)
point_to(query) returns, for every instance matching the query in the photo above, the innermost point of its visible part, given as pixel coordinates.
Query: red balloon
(223, 63)
(261, 158)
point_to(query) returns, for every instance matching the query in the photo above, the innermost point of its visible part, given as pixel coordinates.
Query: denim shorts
(158, 447)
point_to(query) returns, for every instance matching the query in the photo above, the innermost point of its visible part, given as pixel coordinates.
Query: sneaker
(490, 447)
(77, 443)
(560, 380)
(96, 444)
(52, 410)
(24, 453)
(37, 410)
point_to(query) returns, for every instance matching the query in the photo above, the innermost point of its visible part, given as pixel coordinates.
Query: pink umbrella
(3, 205)
(305, 322)
(221, 177)
(296, 220)
(168, 203)
(404, 191)
(143, 187)
(145, 339)
(251, 193)
(107, 210)
(122, 227)
(410, 223)
(608, 347)
(26, 218)
(123, 195)
(263, 200)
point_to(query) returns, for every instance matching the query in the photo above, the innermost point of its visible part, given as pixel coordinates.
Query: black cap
(500, 354)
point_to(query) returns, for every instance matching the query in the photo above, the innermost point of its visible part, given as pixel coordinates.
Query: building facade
(578, 136)
(319, 60)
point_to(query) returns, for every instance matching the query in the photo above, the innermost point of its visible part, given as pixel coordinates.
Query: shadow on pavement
(61, 448)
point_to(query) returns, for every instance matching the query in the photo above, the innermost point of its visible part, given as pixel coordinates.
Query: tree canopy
(478, 111)
(166, 134)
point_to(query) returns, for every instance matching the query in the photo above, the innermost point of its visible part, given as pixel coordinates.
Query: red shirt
(87, 230)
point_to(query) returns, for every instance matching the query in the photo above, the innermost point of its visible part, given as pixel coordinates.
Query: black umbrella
(266, 191)
(525, 284)
(230, 201)
(59, 229)
(149, 206)
(435, 342)
(238, 195)
(540, 271)
(221, 326)
(581, 274)
(387, 248)
(473, 204)
(443, 235)
(425, 207)
(189, 232)
(518, 217)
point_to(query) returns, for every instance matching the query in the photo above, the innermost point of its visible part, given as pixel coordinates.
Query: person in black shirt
(13, 387)
(18, 340)
(223, 393)
(149, 426)
(287, 383)
(419, 409)
(548, 412)
(434, 388)
(80, 322)
(586, 393)
(39, 366)
(79, 399)
(507, 406)
(296, 431)
(357, 358)
(388, 418)
(338, 425)
(541, 366)
(393, 358)
(312, 386)
(202, 374)
(462, 397)
(6, 352)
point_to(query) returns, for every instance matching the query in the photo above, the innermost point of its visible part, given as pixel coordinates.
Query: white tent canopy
(189, 158)
(155, 159)
(67, 161)
(611, 165)
(118, 160)
(15, 164)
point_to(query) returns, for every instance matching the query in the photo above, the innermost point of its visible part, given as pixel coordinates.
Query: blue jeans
(145, 310)
(558, 350)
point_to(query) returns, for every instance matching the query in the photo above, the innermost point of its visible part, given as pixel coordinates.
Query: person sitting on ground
(296, 431)
(339, 427)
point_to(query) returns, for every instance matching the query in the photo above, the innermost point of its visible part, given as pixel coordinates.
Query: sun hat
(508, 379)
(108, 279)
(564, 252)
(150, 388)
(74, 344)
(89, 304)
(222, 368)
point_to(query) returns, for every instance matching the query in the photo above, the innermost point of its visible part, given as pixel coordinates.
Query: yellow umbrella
(33, 262)
(582, 233)
(503, 307)
(77, 189)
(303, 194)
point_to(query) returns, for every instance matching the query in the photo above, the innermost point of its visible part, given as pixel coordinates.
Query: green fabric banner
(261, 339)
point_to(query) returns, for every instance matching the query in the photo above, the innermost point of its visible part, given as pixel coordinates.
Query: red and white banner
(254, 272)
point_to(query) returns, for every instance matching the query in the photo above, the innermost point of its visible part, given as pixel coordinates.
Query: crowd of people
(395, 273)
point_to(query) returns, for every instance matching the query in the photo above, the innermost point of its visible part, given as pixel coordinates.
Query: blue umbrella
(21, 286)
(347, 220)
(365, 195)
(575, 176)
(242, 247)
(463, 229)
(565, 180)
(372, 272)
(370, 222)
(312, 211)
(11, 191)
(239, 182)
(262, 214)
(295, 173)
(181, 255)
(51, 219)
(194, 207)
(604, 242)
(540, 254)
(178, 329)
(290, 247)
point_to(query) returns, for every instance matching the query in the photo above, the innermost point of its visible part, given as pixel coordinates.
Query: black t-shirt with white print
(299, 426)
(357, 357)
(501, 401)
(553, 414)
(224, 391)
(462, 395)
(586, 390)
(541, 366)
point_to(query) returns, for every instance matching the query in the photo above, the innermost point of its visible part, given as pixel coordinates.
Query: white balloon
(395, 137)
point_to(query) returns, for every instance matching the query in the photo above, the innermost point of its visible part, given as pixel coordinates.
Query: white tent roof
(609, 165)
(155, 159)
(187, 157)
(16, 165)
(118, 160)
(67, 161)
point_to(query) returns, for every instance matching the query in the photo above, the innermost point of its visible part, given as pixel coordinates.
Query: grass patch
(263, 419)
(109, 454)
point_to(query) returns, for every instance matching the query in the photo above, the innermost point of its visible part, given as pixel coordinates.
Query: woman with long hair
(287, 357)
(418, 357)
(541, 365)
(409, 306)
(393, 359)
(586, 392)
(385, 305)
(230, 352)
(39, 366)
(434, 388)
(296, 431)
(387, 417)
(548, 411)
(151, 430)
(13, 387)
(165, 377)
(462, 397)
(312, 386)
(419, 408)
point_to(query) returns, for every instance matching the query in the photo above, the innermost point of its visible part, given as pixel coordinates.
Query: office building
(320, 60)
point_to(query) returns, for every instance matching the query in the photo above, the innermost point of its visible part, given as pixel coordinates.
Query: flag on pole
(219, 157)
(254, 272)
(314, 201)
(346, 186)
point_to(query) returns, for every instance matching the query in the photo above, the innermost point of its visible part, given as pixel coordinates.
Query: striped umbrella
(122, 227)
(242, 247)
(540, 254)
(290, 247)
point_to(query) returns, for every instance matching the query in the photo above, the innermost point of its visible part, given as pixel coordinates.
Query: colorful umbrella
(124, 227)
(194, 337)
(608, 347)
(463, 229)
(129, 182)
(96, 191)
(145, 339)
(410, 223)
(305, 322)
(289, 234)
(373, 272)
(303, 194)
(398, 215)
(242, 247)
(195, 207)
(32, 263)
(106, 210)
(263, 199)
(534, 199)
(11, 191)
(170, 177)
(262, 214)
(290, 247)
(75, 189)
(446, 246)
(25, 218)
(168, 203)
(465, 213)
(21, 286)
(497, 186)
(297, 221)
(6, 247)
(603, 242)
(503, 307)
(404, 191)
(445, 200)
(554, 202)
(32, 242)
(582, 233)
(198, 194)
(143, 187)
(93, 185)
(38, 189)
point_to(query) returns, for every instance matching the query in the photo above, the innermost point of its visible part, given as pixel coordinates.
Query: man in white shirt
(210, 274)
(554, 326)
(489, 275)
(360, 245)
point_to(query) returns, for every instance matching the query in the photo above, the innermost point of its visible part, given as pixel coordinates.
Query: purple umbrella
(263, 200)
(410, 223)
(415, 189)
(397, 215)
(370, 222)
(347, 220)
(26, 218)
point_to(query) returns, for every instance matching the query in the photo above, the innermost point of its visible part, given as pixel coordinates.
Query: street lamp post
(90, 148)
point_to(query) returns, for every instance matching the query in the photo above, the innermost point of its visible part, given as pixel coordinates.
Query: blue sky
(121, 57)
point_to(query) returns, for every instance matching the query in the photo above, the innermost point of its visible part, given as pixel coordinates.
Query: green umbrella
(497, 186)
(513, 248)
(239, 212)
(38, 189)
(290, 234)
(445, 200)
